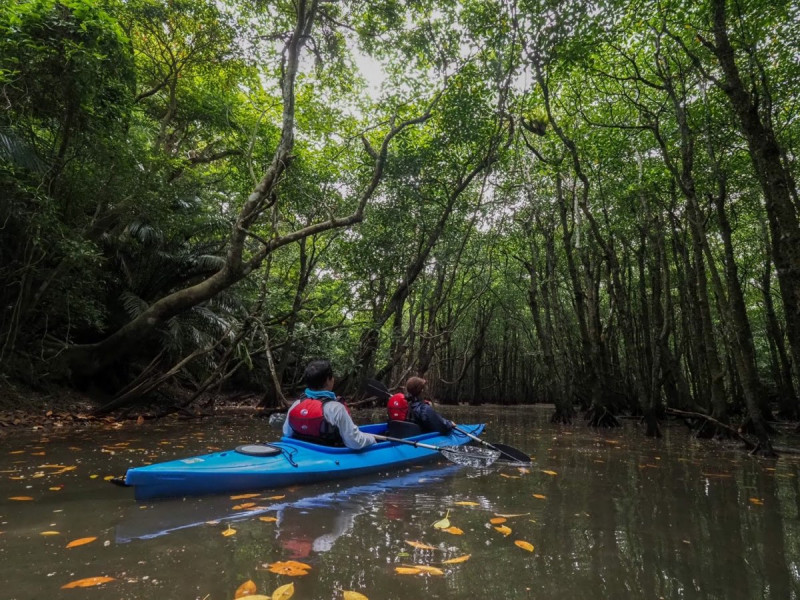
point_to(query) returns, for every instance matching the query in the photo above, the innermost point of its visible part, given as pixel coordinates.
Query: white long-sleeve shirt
(336, 414)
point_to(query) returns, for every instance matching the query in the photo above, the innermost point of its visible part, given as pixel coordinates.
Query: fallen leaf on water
(455, 561)
(50, 533)
(466, 503)
(229, 531)
(289, 567)
(497, 520)
(284, 592)
(454, 530)
(275, 497)
(523, 470)
(429, 570)
(20, 498)
(267, 519)
(509, 476)
(88, 582)
(248, 588)
(549, 472)
(757, 501)
(512, 516)
(353, 595)
(524, 545)
(443, 523)
(407, 571)
(420, 545)
(244, 496)
(81, 542)
(503, 529)
(540, 496)
(244, 505)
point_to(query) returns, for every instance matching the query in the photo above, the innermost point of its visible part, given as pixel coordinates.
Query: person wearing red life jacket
(319, 416)
(420, 411)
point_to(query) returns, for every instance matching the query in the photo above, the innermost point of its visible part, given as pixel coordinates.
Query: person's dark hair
(415, 385)
(317, 373)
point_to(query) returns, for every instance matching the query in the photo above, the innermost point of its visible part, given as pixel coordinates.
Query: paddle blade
(470, 456)
(377, 388)
(509, 454)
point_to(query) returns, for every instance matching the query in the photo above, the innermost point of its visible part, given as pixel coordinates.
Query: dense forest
(590, 204)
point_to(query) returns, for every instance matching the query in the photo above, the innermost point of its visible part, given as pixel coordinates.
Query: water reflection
(611, 515)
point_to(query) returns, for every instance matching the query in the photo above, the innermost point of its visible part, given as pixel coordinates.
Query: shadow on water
(610, 514)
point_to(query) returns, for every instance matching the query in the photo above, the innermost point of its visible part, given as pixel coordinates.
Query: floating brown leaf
(756, 501)
(503, 529)
(267, 519)
(275, 497)
(244, 496)
(540, 496)
(497, 520)
(229, 531)
(88, 582)
(348, 595)
(454, 530)
(284, 592)
(511, 516)
(244, 506)
(509, 476)
(50, 533)
(467, 503)
(458, 559)
(407, 571)
(289, 567)
(20, 498)
(549, 472)
(420, 545)
(524, 545)
(429, 570)
(81, 542)
(248, 588)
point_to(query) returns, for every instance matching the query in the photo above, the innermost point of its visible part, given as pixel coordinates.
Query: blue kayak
(286, 462)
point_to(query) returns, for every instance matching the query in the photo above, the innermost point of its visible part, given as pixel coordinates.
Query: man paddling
(319, 416)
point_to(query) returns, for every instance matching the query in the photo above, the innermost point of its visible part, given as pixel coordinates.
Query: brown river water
(598, 514)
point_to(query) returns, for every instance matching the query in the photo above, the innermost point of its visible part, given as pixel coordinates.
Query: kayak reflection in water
(320, 416)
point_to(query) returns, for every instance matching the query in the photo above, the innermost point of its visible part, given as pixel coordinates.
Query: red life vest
(307, 420)
(397, 407)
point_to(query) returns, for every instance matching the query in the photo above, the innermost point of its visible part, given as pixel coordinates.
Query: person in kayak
(319, 416)
(421, 412)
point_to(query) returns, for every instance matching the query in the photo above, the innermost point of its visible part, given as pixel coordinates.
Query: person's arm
(434, 421)
(287, 429)
(336, 414)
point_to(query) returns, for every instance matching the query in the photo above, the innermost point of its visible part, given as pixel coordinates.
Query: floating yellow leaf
(458, 559)
(289, 567)
(454, 530)
(549, 472)
(248, 588)
(275, 497)
(284, 592)
(16, 451)
(94, 476)
(56, 488)
(81, 542)
(443, 523)
(353, 595)
(467, 503)
(50, 533)
(420, 545)
(756, 501)
(88, 582)
(497, 520)
(407, 571)
(540, 496)
(108, 478)
(503, 529)
(244, 496)
(244, 505)
(229, 531)
(511, 516)
(524, 545)
(429, 570)
(20, 498)
(509, 476)
(267, 519)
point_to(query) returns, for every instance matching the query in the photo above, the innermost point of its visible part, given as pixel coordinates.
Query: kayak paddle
(512, 454)
(470, 456)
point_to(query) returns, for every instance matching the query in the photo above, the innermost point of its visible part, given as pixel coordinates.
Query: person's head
(319, 375)
(415, 385)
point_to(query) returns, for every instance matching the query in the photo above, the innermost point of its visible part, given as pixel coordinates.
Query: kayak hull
(298, 462)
